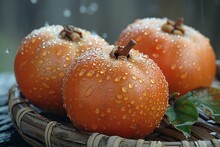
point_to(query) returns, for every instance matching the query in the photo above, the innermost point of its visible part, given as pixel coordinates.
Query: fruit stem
(71, 33)
(123, 52)
(174, 27)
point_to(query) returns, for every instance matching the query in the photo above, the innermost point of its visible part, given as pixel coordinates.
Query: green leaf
(208, 100)
(183, 114)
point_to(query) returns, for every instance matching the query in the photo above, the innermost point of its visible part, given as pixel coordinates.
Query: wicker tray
(40, 129)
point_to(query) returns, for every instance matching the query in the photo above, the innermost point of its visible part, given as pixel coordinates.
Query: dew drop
(140, 81)
(173, 67)
(61, 74)
(45, 85)
(155, 55)
(52, 92)
(130, 85)
(90, 73)
(44, 53)
(152, 81)
(124, 89)
(183, 76)
(67, 58)
(97, 111)
(134, 77)
(59, 52)
(66, 13)
(147, 72)
(124, 116)
(117, 79)
(109, 110)
(54, 77)
(89, 91)
(81, 73)
(41, 61)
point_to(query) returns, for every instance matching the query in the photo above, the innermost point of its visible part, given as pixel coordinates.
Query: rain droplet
(7, 51)
(67, 58)
(104, 35)
(92, 8)
(89, 91)
(66, 13)
(81, 73)
(34, 1)
(41, 61)
(82, 9)
(44, 53)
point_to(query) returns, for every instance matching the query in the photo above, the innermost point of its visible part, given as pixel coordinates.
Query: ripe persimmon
(115, 91)
(185, 56)
(43, 58)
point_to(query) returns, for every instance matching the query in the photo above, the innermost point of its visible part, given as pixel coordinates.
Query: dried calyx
(174, 27)
(122, 52)
(71, 33)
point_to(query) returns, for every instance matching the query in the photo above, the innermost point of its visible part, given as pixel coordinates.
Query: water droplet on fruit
(90, 73)
(41, 61)
(155, 55)
(130, 85)
(66, 13)
(140, 81)
(117, 79)
(54, 77)
(61, 74)
(44, 53)
(45, 85)
(124, 116)
(89, 91)
(152, 80)
(123, 108)
(68, 58)
(173, 67)
(124, 89)
(109, 110)
(97, 111)
(134, 77)
(81, 73)
(59, 52)
(184, 75)
(52, 92)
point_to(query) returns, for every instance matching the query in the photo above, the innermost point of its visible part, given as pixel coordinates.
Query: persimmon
(185, 56)
(115, 90)
(43, 58)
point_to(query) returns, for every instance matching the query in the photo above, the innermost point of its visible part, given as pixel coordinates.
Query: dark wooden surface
(9, 137)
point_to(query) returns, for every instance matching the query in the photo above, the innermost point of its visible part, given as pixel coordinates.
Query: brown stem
(174, 27)
(124, 51)
(71, 33)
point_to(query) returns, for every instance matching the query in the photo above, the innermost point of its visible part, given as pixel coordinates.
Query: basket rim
(55, 133)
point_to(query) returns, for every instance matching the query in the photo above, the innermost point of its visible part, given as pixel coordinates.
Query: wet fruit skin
(125, 97)
(187, 61)
(41, 63)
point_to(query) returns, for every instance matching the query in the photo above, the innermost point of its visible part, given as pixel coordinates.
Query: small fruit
(184, 55)
(116, 92)
(43, 58)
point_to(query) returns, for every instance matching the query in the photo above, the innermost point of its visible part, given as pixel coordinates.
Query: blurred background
(107, 18)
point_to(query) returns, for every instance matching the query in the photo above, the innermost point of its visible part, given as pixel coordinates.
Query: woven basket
(40, 129)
